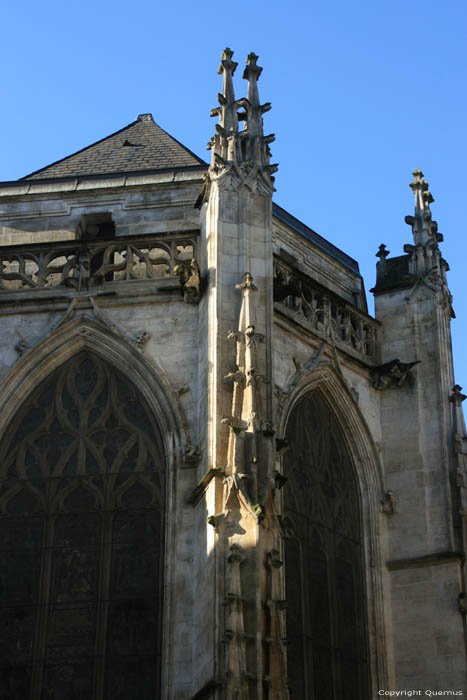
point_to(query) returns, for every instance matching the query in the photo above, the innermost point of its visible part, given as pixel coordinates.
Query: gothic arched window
(327, 652)
(82, 472)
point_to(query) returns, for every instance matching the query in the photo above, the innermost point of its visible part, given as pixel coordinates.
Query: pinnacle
(418, 183)
(226, 61)
(252, 69)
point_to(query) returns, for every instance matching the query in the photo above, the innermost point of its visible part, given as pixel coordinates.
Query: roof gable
(142, 145)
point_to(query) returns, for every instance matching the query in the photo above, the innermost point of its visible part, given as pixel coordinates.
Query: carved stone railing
(83, 264)
(324, 313)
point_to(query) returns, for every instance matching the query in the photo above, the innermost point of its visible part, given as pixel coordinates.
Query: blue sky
(362, 93)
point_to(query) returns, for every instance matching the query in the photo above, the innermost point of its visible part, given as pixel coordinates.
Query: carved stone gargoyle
(392, 374)
(190, 280)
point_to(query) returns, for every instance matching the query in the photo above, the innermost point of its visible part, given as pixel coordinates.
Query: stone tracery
(83, 489)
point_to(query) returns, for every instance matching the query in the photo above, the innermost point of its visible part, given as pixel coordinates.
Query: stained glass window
(81, 540)
(326, 622)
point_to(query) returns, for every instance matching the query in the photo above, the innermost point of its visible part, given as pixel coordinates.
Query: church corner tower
(422, 448)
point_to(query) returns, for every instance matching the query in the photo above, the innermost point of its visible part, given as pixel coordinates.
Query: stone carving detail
(392, 374)
(190, 280)
(324, 314)
(240, 158)
(22, 347)
(192, 457)
(140, 337)
(457, 396)
(388, 503)
(82, 469)
(250, 457)
(71, 264)
(235, 640)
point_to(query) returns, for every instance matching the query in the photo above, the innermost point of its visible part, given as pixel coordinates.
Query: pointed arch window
(326, 622)
(81, 539)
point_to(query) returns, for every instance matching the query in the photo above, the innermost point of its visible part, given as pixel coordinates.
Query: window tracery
(326, 629)
(81, 538)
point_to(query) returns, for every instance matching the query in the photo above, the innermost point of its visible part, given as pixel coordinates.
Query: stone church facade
(220, 476)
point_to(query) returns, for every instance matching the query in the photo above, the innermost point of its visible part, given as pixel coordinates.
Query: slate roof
(140, 146)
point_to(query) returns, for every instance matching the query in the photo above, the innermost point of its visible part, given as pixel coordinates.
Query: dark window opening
(327, 654)
(81, 540)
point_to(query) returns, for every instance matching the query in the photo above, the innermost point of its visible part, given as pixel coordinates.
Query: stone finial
(382, 253)
(421, 222)
(423, 198)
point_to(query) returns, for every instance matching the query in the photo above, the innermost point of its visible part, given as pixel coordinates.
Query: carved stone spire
(255, 144)
(240, 158)
(224, 143)
(228, 116)
(425, 256)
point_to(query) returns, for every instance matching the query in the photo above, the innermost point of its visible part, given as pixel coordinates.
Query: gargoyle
(190, 280)
(392, 374)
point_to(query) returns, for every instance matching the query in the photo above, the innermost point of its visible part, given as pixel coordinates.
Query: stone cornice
(20, 188)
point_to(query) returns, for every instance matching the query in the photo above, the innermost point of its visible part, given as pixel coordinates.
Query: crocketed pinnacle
(227, 111)
(230, 146)
(255, 143)
(423, 230)
(425, 256)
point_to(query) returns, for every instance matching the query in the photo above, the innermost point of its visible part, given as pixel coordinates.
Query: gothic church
(220, 477)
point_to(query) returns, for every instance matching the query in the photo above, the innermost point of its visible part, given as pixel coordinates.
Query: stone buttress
(236, 314)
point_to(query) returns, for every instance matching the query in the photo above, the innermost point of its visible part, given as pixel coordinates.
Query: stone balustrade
(81, 264)
(323, 313)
